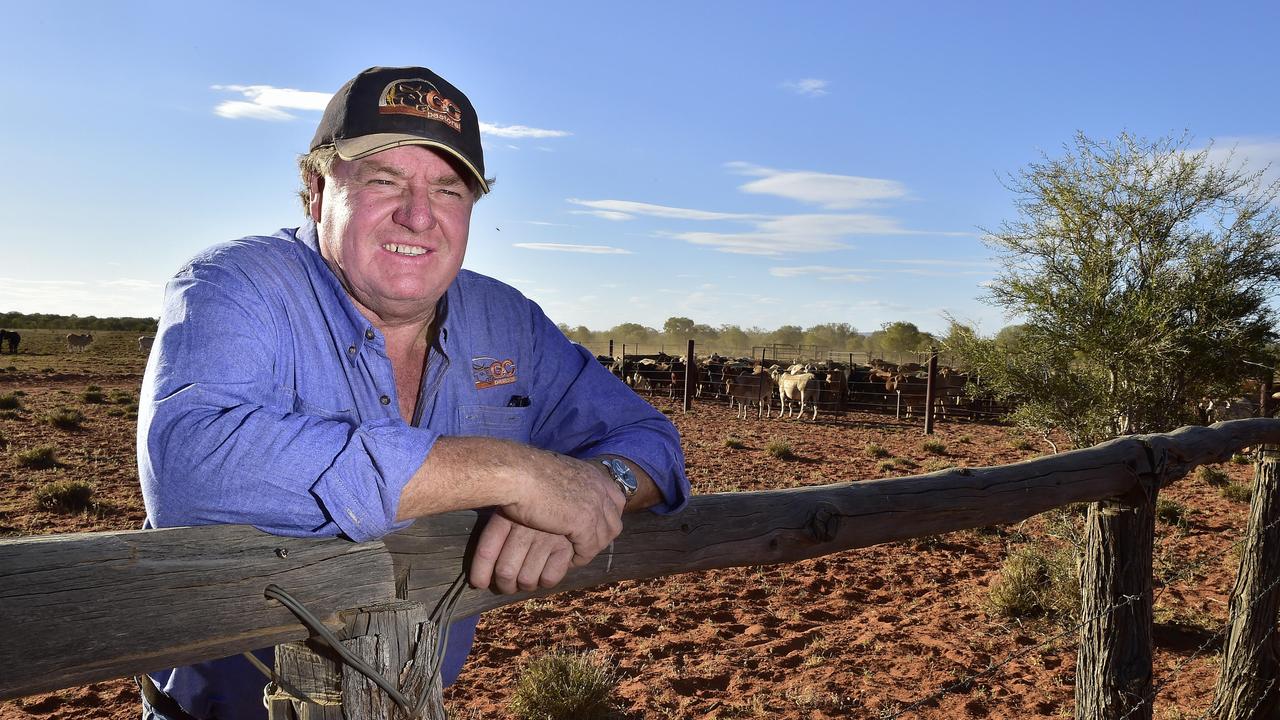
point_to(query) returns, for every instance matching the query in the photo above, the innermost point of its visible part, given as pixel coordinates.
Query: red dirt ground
(861, 634)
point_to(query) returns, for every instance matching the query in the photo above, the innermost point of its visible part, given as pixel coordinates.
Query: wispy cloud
(632, 208)
(809, 87)
(605, 215)
(520, 131)
(564, 247)
(1254, 154)
(834, 192)
(264, 102)
(823, 272)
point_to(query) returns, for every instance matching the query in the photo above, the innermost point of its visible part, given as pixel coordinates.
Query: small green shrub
(965, 439)
(65, 496)
(121, 397)
(1023, 444)
(10, 401)
(563, 685)
(876, 450)
(1240, 459)
(1037, 580)
(94, 395)
(1212, 475)
(38, 458)
(65, 418)
(116, 412)
(1237, 492)
(780, 449)
(1172, 512)
(888, 466)
(734, 443)
(937, 447)
(906, 463)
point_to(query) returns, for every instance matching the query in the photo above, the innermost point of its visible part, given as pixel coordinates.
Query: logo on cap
(419, 97)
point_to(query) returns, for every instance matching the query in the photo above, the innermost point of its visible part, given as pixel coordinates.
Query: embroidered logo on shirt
(491, 372)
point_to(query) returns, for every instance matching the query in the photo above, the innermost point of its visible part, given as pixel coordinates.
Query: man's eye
(451, 193)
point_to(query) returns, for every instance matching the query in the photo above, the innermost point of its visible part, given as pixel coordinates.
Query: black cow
(11, 339)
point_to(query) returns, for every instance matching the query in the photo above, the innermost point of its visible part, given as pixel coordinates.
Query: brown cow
(78, 342)
(746, 387)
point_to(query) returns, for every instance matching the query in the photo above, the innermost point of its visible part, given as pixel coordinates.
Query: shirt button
(384, 400)
(368, 334)
(351, 350)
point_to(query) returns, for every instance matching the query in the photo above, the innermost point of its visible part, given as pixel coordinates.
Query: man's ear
(315, 188)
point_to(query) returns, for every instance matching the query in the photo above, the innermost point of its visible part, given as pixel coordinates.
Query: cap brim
(365, 145)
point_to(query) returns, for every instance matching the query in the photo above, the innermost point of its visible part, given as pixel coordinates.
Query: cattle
(800, 389)
(11, 339)
(145, 342)
(78, 342)
(746, 387)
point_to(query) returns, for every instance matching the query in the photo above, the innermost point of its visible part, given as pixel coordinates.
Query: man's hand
(538, 489)
(511, 557)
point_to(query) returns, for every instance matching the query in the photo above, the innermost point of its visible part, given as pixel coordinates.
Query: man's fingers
(488, 550)
(557, 565)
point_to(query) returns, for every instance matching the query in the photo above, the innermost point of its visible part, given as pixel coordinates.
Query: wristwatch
(622, 475)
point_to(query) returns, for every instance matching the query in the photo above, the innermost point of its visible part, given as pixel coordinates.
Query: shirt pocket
(508, 423)
(345, 415)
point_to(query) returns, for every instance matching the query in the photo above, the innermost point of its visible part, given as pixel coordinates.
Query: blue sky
(750, 163)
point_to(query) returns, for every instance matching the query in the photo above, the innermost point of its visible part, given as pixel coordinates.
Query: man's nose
(415, 211)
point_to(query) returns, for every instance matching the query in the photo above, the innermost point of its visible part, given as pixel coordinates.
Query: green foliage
(563, 685)
(1241, 459)
(1212, 475)
(93, 395)
(780, 449)
(734, 443)
(65, 418)
(1237, 492)
(1143, 272)
(875, 450)
(936, 447)
(11, 320)
(1021, 443)
(10, 401)
(1172, 512)
(38, 458)
(65, 496)
(1038, 580)
(900, 337)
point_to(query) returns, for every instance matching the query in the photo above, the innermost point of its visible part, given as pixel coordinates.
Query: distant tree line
(17, 320)
(836, 337)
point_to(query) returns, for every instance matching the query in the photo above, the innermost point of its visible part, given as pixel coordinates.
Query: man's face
(393, 226)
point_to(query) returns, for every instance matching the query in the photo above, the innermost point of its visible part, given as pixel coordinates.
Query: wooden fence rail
(89, 607)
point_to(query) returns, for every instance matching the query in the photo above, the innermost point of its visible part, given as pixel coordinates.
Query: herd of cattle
(806, 387)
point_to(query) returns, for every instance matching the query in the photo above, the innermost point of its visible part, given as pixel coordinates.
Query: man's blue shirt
(269, 400)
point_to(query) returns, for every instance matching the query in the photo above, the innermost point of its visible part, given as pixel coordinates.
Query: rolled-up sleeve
(586, 411)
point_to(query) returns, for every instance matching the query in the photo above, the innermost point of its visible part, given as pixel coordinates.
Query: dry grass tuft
(65, 496)
(564, 685)
(38, 458)
(876, 450)
(780, 449)
(1038, 580)
(65, 418)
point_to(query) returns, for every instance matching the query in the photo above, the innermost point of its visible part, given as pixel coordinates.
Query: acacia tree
(1141, 272)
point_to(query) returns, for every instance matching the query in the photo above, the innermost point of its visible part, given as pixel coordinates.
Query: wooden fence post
(929, 390)
(1251, 656)
(1113, 669)
(690, 367)
(397, 639)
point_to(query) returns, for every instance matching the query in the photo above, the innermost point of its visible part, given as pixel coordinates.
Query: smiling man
(347, 376)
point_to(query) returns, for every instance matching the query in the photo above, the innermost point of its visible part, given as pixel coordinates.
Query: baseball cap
(386, 107)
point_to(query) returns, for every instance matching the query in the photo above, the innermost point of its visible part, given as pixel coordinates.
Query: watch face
(622, 475)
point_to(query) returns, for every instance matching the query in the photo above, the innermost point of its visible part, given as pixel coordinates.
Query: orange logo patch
(419, 97)
(490, 372)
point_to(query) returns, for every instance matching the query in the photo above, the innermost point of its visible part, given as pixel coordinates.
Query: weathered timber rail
(96, 606)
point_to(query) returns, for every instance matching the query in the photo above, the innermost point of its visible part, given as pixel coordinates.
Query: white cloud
(823, 272)
(562, 247)
(630, 207)
(604, 214)
(809, 87)
(1254, 154)
(520, 131)
(264, 102)
(104, 298)
(834, 192)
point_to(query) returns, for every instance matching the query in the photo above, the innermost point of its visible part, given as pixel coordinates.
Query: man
(347, 376)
